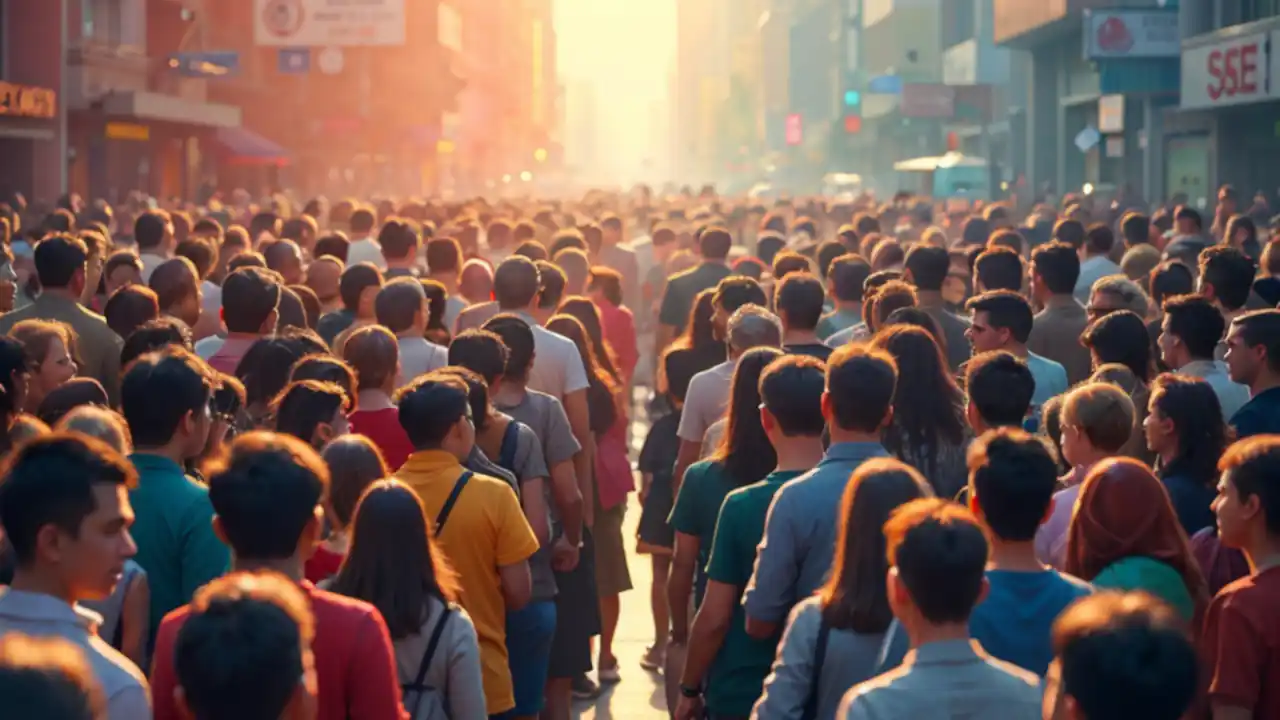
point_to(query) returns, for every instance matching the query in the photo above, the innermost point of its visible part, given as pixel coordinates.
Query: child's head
(679, 374)
(1097, 420)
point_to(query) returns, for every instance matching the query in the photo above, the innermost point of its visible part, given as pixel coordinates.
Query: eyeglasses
(1096, 312)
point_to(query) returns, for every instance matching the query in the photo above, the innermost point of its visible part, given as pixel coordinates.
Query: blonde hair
(1101, 411)
(37, 337)
(101, 423)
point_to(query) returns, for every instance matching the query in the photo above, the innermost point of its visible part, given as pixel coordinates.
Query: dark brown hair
(373, 352)
(354, 463)
(394, 563)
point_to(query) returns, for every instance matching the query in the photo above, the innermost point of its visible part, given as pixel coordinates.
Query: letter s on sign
(1214, 88)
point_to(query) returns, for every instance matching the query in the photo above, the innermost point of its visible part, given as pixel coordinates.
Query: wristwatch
(690, 692)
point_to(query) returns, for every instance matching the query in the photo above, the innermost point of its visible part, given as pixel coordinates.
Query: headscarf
(1124, 511)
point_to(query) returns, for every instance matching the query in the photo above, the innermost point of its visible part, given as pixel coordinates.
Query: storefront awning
(245, 147)
(170, 108)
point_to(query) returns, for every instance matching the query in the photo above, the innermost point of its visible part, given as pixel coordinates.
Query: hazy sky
(625, 48)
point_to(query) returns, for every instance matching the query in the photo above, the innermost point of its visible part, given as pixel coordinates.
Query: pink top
(619, 327)
(1051, 538)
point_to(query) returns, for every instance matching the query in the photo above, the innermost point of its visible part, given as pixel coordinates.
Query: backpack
(422, 701)
(510, 441)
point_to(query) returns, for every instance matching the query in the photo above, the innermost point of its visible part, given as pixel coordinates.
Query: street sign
(795, 129)
(885, 85)
(316, 23)
(294, 61)
(216, 64)
(331, 60)
(924, 100)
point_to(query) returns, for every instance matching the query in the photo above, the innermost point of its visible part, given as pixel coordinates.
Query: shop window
(959, 22)
(114, 23)
(1237, 12)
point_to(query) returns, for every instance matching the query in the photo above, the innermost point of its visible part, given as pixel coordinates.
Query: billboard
(342, 23)
(1129, 33)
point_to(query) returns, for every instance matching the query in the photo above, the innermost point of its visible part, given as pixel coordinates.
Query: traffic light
(852, 98)
(852, 124)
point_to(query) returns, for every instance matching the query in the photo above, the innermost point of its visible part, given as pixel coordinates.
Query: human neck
(797, 453)
(1168, 455)
(1262, 551)
(1265, 382)
(373, 399)
(509, 393)
(173, 451)
(31, 580)
(448, 280)
(1016, 349)
(61, 292)
(158, 251)
(853, 307)
(923, 633)
(290, 567)
(1060, 299)
(404, 263)
(800, 337)
(1016, 556)
(928, 298)
(840, 435)
(231, 334)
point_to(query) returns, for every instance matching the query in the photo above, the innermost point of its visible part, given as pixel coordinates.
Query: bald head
(323, 277)
(285, 257)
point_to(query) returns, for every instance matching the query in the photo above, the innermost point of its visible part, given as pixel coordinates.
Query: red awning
(245, 147)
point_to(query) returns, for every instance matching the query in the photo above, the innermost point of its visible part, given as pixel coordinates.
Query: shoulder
(337, 610)
(1012, 677)
(1077, 586)
(117, 672)
(806, 614)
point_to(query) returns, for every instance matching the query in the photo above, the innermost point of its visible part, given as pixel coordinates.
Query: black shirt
(816, 350)
(1259, 416)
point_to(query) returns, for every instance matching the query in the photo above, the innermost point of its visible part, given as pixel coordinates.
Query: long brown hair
(571, 327)
(745, 451)
(855, 598)
(394, 563)
(1124, 511)
(589, 315)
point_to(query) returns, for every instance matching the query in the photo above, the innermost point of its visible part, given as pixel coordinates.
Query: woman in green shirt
(1125, 535)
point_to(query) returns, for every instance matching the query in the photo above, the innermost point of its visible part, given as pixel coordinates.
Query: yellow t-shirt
(485, 530)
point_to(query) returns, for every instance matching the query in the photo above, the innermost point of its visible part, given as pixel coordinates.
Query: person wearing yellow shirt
(478, 520)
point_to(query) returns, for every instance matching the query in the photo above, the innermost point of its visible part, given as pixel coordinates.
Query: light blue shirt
(1050, 377)
(1231, 395)
(1091, 271)
(800, 533)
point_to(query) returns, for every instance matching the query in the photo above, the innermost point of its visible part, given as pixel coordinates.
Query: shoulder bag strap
(510, 441)
(419, 685)
(451, 501)
(819, 659)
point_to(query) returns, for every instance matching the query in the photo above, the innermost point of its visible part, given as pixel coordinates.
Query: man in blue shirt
(1002, 320)
(1253, 359)
(799, 539)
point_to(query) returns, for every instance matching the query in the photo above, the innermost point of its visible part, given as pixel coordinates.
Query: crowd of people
(373, 461)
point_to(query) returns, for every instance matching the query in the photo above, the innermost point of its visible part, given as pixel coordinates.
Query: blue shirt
(800, 533)
(1259, 416)
(1050, 377)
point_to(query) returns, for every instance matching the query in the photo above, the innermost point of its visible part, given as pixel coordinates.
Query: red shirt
(620, 332)
(323, 564)
(355, 662)
(384, 429)
(1241, 644)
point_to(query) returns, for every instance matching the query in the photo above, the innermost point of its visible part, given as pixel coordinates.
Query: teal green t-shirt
(736, 678)
(695, 511)
(1144, 573)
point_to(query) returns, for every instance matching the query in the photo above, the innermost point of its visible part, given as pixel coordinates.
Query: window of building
(114, 22)
(959, 21)
(1235, 12)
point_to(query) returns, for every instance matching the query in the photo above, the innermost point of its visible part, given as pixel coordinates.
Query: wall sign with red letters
(1233, 71)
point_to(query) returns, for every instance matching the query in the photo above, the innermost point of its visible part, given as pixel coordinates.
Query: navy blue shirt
(1259, 416)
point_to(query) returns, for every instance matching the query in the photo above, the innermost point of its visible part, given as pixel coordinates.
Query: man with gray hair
(750, 326)
(1114, 293)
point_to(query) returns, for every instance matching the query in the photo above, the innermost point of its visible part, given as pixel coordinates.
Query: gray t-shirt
(547, 421)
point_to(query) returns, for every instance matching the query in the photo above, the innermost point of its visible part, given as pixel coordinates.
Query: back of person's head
(827, 254)
(1196, 323)
(791, 393)
(201, 252)
(768, 245)
(1120, 337)
(362, 221)
(1189, 215)
(609, 282)
(75, 392)
(326, 368)
(1251, 469)
(1099, 239)
(477, 281)
(306, 409)
(517, 336)
(1121, 656)
(1057, 266)
(1000, 387)
(374, 354)
(155, 335)
(59, 259)
(1069, 231)
(551, 285)
(431, 407)
(444, 256)
(355, 280)
(576, 267)
(399, 239)
(354, 463)
(1229, 272)
(860, 386)
(1008, 239)
(129, 308)
(333, 245)
(49, 679)
(715, 243)
(173, 281)
(928, 267)
(245, 650)
(399, 303)
(1136, 229)
(101, 422)
(481, 351)
(250, 298)
(751, 326)
(516, 283)
(736, 291)
(567, 239)
(894, 295)
(1168, 279)
(799, 301)
(846, 275)
(999, 268)
(162, 390)
(1012, 478)
(1005, 310)
(265, 493)
(531, 249)
(976, 230)
(939, 556)
(51, 480)
(1103, 413)
(150, 230)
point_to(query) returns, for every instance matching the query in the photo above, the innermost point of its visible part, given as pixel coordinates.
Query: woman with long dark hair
(1120, 337)
(354, 464)
(853, 604)
(1188, 435)
(928, 430)
(1124, 535)
(589, 315)
(744, 456)
(394, 564)
(696, 349)
(14, 371)
(315, 412)
(614, 482)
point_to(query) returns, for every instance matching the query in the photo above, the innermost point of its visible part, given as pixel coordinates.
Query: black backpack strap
(451, 501)
(819, 658)
(510, 439)
(419, 684)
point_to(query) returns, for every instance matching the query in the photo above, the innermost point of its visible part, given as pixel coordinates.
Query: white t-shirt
(706, 400)
(418, 356)
(366, 250)
(557, 366)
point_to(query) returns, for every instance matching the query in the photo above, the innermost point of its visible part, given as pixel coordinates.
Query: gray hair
(1128, 292)
(751, 326)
